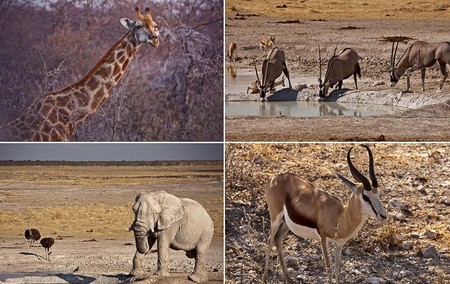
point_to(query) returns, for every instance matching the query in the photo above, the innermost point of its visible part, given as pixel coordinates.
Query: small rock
(404, 274)
(430, 234)
(347, 252)
(430, 251)
(422, 190)
(374, 280)
(245, 228)
(302, 268)
(414, 235)
(399, 216)
(398, 203)
(407, 245)
(445, 200)
(290, 261)
(379, 83)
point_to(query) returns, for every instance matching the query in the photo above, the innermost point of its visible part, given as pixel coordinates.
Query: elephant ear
(171, 210)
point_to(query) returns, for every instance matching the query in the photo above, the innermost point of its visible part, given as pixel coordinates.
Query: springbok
(231, 49)
(272, 68)
(340, 67)
(418, 56)
(267, 43)
(296, 204)
(254, 85)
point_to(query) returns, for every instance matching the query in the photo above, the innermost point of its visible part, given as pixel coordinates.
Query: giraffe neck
(98, 83)
(55, 116)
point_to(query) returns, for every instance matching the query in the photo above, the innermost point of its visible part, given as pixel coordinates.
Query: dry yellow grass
(107, 175)
(82, 221)
(96, 201)
(343, 9)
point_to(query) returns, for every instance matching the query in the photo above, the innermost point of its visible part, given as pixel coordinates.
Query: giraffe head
(144, 29)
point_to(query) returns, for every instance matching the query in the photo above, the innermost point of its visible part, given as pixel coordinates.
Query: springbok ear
(127, 23)
(171, 210)
(348, 183)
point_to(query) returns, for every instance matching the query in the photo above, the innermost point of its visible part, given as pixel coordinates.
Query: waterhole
(241, 80)
(306, 109)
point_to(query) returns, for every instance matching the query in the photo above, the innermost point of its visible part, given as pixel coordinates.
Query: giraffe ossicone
(55, 116)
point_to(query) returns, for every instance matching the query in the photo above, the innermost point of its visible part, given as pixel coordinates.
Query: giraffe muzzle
(154, 41)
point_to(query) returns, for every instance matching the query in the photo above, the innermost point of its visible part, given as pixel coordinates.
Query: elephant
(176, 223)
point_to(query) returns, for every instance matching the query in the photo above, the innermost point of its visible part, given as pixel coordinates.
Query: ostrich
(47, 243)
(32, 235)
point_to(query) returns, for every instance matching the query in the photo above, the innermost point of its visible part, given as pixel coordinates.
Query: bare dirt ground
(414, 186)
(300, 27)
(87, 210)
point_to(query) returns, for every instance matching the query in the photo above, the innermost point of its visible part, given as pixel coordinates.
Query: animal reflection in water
(293, 109)
(232, 71)
(335, 109)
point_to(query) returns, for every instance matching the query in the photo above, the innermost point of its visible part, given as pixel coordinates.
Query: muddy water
(239, 84)
(305, 109)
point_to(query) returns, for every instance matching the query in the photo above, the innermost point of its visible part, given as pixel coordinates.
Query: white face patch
(299, 230)
(371, 205)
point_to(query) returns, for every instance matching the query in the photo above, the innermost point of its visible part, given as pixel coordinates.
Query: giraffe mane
(105, 57)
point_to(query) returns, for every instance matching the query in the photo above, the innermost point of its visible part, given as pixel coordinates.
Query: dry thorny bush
(173, 92)
(415, 173)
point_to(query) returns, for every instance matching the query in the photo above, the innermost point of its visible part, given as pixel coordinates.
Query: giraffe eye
(138, 27)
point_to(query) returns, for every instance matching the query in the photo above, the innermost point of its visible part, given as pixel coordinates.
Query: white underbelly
(299, 230)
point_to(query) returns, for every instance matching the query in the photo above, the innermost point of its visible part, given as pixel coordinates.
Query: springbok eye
(366, 198)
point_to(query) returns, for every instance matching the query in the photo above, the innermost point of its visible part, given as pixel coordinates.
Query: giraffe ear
(127, 23)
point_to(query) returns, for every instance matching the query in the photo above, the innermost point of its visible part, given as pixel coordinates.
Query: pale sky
(111, 151)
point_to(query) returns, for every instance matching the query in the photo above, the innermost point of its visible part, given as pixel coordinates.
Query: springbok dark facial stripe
(367, 199)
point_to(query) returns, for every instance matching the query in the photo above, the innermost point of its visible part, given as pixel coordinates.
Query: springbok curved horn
(373, 178)
(356, 173)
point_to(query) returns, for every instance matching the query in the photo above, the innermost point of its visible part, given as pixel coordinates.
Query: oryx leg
(339, 85)
(442, 67)
(272, 86)
(408, 74)
(356, 83)
(422, 76)
(274, 227)
(286, 72)
(337, 263)
(279, 244)
(326, 258)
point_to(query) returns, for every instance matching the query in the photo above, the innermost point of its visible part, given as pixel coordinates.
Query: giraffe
(55, 116)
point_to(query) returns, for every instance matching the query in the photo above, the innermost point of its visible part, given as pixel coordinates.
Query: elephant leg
(199, 274)
(163, 254)
(139, 256)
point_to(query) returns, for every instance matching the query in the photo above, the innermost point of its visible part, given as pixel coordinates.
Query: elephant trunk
(141, 241)
(141, 236)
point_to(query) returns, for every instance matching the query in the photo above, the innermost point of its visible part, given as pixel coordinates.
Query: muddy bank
(387, 97)
(428, 123)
